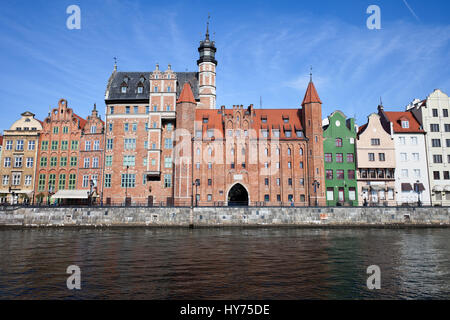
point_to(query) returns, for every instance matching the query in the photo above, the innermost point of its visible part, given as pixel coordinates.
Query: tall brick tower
(312, 124)
(207, 64)
(185, 117)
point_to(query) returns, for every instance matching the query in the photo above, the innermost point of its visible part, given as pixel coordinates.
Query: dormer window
(124, 89)
(264, 119)
(285, 119)
(405, 124)
(142, 79)
(140, 89)
(205, 120)
(156, 89)
(299, 133)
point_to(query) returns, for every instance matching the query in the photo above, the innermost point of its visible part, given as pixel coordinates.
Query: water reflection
(224, 263)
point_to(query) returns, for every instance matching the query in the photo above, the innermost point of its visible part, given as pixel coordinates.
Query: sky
(265, 50)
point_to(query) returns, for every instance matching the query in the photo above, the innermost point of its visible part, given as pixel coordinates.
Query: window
(16, 177)
(109, 144)
(287, 133)
(375, 142)
(351, 174)
(210, 133)
(329, 174)
(436, 175)
(126, 127)
(85, 181)
(124, 89)
(128, 180)
(403, 157)
(381, 157)
(338, 142)
(232, 165)
(286, 119)
(276, 133)
(289, 165)
(95, 162)
(86, 162)
(209, 182)
(301, 164)
(434, 127)
(402, 140)
(435, 112)
(288, 151)
(108, 161)
(405, 124)
(404, 173)
(155, 108)
(129, 144)
(31, 145)
(108, 180)
(111, 110)
(299, 133)
(339, 157)
(73, 161)
(19, 145)
(63, 162)
(437, 158)
(340, 174)
(265, 133)
(168, 144)
(447, 143)
(330, 194)
(51, 181)
(28, 180)
(167, 181)
(93, 129)
(7, 162)
(87, 146)
(9, 145)
(350, 157)
(18, 162)
(416, 173)
(74, 145)
(167, 162)
(414, 140)
(43, 162)
(436, 143)
(290, 198)
(371, 156)
(134, 127)
(55, 130)
(302, 181)
(266, 198)
(64, 145)
(41, 183)
(129, 161)
(266, 181)
(30, 162)
(446, 175)
(263, 119)
(96, 145)
(351, 194)
(209, 165)
(110, 127)
(447, 127)
(62, 181)
(54, 145)
(72, 181)
(445, 113)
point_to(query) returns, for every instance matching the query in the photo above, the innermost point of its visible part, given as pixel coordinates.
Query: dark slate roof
(114, 93)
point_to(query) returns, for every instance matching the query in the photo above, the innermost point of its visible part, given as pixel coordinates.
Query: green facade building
(339, 150)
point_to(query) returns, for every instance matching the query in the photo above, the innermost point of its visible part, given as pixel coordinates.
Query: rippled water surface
(225, 263)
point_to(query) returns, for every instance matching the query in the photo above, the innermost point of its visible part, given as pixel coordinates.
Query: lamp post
(196, 184)
(316, 184)
(419, 203)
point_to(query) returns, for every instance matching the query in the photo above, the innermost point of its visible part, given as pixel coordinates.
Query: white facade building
(433, 114)
(411, 174)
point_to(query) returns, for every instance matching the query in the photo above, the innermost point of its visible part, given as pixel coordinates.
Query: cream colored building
(375, 152)
(433, 115)
(18, 162)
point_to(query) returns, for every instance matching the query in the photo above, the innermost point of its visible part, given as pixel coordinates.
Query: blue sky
(265, 48)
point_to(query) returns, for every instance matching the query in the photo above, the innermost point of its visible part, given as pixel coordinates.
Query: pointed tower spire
(115, 64)
(186, 94)
(207, 28)
(311, 95)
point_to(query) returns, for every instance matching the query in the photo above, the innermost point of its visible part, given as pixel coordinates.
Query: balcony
(383, 174)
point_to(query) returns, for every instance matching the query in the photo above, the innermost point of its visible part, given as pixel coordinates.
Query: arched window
(301, 151)
(232, 151)
(243, 151)
(289, 151)
(266, 152)
(198, 151)
(210, 151)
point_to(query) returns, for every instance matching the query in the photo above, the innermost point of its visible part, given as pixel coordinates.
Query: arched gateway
(238, 196)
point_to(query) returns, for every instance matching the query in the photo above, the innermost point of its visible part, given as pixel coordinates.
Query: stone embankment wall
(217, 217)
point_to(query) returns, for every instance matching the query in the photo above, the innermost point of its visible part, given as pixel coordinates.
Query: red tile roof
(82, 121)
(311, 94)
(274, 120)
(397, 117)
(186, 94)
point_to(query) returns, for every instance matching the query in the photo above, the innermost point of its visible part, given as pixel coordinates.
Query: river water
(273, 263)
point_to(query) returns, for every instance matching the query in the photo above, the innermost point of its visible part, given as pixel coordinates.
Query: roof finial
(381, 101)
(310, 74)
(95, 107)
(115, 64)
